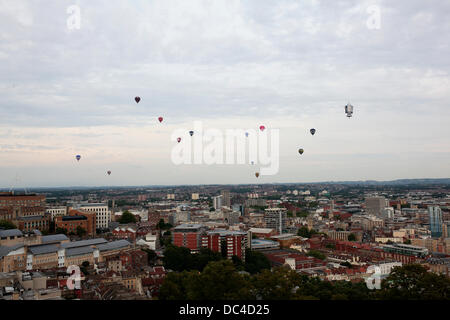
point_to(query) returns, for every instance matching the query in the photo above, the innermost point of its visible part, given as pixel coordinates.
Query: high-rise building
(275, 218)
(226, 200)
(217, 202)
(435, 215)
(188, 236)
(375, 205)
(195, 196)
(234, 242)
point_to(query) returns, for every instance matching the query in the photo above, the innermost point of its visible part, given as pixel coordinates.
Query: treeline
(220, 280)
(181, 259)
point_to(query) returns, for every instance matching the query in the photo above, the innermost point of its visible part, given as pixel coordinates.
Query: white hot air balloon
(349, 110)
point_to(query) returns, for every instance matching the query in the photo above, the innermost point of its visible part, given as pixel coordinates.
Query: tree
(255, 261)
(151, 255)
(351, 237)
(316, 254)
(223, 248)
(80, 231)
(164, 226)
(85, 264)
(61, 231)
(127, 217)
(346, 264)
(7, 225)
(414, 282)
(305, 233)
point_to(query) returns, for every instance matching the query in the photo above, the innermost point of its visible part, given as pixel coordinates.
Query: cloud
(284, 63)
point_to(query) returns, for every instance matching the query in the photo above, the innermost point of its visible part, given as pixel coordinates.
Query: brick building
(76, 218)
(189, 236)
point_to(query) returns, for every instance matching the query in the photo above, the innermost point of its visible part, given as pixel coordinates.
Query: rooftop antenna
(15, 182)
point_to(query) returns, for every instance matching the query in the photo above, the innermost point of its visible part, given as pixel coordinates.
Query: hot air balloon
(313, 131)
(179, 140)
(109, 172)
(160, 119)
(257, 174)
(246, 134)
(300, 151)
(191, 133)
(262, 128)
(137, 99)
(349, 110)
(78, 157)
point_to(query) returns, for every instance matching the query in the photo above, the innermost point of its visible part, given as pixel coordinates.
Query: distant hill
(392, 182)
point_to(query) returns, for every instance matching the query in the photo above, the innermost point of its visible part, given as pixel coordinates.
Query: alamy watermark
(74, 280)
(74, 20)
(374, 281)
(229, 147)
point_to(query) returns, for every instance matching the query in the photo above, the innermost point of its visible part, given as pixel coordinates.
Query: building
(27, 211)
(217, 202)
(275, 218)
(226, 200)
(171, 196)
(338, 235)
(195, 196)
(375, 205)
(124, 233)
(263, 232)
(56, 211)
(406, 249)
(75, 219)
(30, 223)
(188, 236)
(233, 242)
(102, 213)
(435, 216)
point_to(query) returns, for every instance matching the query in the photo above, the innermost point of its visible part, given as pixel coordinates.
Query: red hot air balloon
(160, 119)
(179, 140)
(262, 128)
(137, 99)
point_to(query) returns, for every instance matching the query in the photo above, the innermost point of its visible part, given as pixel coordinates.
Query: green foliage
(7, 225)
(85, 264)
(127, 217)
(346, 264)
(305, 233)
(316, 254)
(61, 231)
(221, 281)
(330, 246)
(414, 282)
(302, 214)
(151, 255)
(181, 259)
(81, 231)
(255, 261)
(164, 226)
(351, 237)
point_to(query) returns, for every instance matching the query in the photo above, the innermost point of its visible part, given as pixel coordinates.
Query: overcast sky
(290, 65)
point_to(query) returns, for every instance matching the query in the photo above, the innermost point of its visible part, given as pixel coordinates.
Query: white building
(56, 211)
(217, 202)
(102, 213)
(195, 196)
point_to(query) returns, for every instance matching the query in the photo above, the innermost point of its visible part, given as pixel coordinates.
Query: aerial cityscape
(224, 150)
